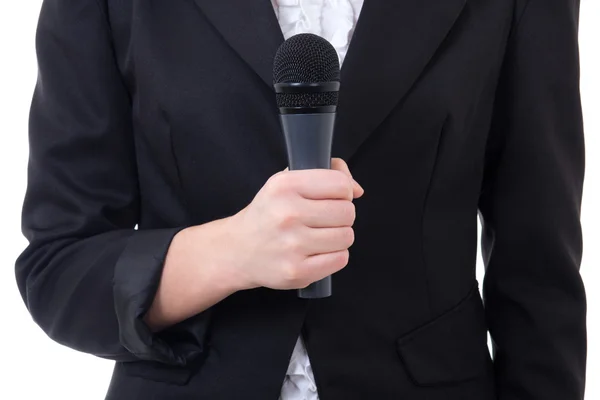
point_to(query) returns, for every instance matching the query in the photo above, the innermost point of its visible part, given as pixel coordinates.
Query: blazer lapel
(392, 43)
(251, 29)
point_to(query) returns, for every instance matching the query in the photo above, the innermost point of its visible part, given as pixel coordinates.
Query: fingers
(315, 184)
(326, 213)
(328, 240)
(321, 265)
(340, 165)
(319, 184)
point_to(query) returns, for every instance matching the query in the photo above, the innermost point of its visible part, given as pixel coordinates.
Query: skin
(297, 230)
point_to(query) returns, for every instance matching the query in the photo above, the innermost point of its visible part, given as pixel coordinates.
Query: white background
(64, 374)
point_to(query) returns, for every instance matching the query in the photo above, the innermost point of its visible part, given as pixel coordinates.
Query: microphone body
(306, 78)
(308, 138)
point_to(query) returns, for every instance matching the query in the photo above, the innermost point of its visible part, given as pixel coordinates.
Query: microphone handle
(308, 139)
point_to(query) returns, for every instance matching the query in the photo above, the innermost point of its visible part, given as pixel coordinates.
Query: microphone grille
(306, 58)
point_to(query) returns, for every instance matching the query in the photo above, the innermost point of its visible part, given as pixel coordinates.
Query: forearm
(196, 275)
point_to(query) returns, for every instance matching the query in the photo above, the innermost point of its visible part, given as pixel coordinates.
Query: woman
(161, 115)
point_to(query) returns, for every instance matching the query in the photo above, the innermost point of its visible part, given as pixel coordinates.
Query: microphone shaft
(308, 139)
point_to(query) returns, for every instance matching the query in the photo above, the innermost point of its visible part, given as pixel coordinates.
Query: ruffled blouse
(333, 20)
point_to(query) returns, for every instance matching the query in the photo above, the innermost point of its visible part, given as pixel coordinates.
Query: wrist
(230, 271)
(201, 251)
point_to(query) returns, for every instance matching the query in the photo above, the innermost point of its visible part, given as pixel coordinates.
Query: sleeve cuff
(136, 278)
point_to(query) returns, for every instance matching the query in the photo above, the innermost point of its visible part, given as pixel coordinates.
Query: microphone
(306, 76)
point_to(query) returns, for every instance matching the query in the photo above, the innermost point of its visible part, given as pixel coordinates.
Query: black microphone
(306, 76)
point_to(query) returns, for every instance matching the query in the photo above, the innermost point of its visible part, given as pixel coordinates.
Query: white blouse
(333, 20)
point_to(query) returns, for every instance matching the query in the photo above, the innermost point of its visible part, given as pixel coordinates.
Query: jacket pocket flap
(451, 348)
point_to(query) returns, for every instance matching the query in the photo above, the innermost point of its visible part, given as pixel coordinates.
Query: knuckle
(279, 184)
(293, 245)
(291, 274)
(349, 212)
(348, 237)
(285, 218)
(341, 259)
(271, 184)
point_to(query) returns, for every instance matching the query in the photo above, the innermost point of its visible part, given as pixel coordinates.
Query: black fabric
(450, 349)
(137, 274)
(162, 115)
(530, 210)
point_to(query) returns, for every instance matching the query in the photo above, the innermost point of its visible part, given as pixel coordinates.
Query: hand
(296, 231)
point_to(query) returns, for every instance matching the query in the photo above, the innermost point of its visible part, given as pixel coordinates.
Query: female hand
(297, 230)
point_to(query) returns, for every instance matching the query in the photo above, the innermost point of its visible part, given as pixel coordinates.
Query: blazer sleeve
(88, 276)
(530, 210)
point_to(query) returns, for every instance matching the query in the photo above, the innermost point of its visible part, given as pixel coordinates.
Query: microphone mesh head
(306, 58)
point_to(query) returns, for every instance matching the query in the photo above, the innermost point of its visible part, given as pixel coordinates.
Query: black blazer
(161, 115)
